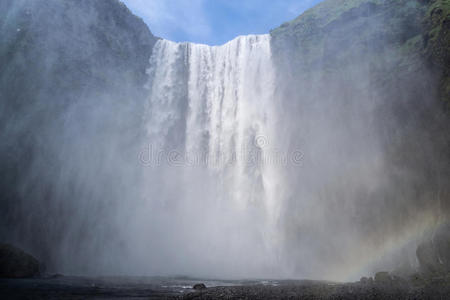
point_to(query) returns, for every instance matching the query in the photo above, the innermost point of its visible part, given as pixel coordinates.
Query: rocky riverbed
(62, 287)
(22, 277)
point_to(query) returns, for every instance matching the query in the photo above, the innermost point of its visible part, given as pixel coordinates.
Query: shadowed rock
(15, 263)
(442, 244)
(434, 253)
(383, 277)
(427, 257)
(199, 286)
(365, 280)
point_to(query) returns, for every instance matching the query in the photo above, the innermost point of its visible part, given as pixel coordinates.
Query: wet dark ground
(67, 287)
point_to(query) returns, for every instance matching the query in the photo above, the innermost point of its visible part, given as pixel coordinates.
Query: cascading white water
(210, 130)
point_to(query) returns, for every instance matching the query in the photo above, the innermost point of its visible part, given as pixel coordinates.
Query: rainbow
(369, 257)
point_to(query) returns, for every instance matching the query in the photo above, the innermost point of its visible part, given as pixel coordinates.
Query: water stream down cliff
(210, 124)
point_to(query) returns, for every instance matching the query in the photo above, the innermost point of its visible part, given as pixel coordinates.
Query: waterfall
(209, 125)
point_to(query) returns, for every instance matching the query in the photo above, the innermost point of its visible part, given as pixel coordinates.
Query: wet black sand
(180, 288)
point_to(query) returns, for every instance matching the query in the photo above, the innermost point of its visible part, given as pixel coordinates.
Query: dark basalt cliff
(436, 38)
(83, 44)
(396, 53)
(68, 70)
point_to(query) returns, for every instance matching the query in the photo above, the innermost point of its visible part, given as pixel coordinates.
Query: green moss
(439, 5)
(403, 34)
(437, 16)
(437, 42)
(335, 33)
(325, 13)
(413, 45)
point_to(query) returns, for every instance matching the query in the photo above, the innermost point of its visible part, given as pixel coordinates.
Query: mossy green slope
(437, 42)
(333, 32)
(336, 33)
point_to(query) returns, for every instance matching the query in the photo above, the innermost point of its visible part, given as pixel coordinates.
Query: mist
(285, 155)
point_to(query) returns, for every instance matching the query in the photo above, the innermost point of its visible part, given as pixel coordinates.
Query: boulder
(428, 259)
(383, 277)
(199, 286)
(364, 280)
(416, 279)
(441, 241)
(15, 263)
(433, 254)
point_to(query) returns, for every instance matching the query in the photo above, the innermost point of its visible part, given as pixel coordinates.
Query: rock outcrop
(15, 263)
(434, 253)
(437, 43)
(199, 286)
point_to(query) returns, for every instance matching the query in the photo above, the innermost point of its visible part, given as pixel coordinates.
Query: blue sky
(215, 22)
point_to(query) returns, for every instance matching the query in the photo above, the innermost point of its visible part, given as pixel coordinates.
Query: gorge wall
(376, 95)
(71, 88)
(354, 90)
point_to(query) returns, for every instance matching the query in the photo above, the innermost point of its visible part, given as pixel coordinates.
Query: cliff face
(90, 40)
(335, 34)
(436, 38)
(392, 56)
(72, 80)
